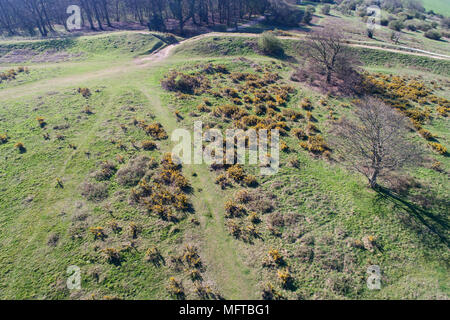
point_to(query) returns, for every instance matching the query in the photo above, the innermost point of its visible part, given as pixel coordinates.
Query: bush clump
(180, 82)
(433, 35)
(20, 146)
(439, 148)
(85, 92)
(270, 45)
(148, 145)
(3, 138)
(134, 171)
(396, 25)
(325, 9)
(94, 191)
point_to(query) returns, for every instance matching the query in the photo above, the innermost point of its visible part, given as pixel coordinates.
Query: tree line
(41, 16)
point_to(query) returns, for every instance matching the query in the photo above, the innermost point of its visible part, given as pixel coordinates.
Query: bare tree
(374, 144)
(326, 51)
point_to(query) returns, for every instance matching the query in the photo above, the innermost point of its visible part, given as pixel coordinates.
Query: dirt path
(161, 55)
(221, 257)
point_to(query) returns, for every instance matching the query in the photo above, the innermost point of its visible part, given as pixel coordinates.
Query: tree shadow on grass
(435, 223)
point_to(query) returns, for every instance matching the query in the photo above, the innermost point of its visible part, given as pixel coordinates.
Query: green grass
(332, 205)
(437, 6)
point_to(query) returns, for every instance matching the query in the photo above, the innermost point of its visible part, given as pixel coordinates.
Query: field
(438, 6)
(85, 178)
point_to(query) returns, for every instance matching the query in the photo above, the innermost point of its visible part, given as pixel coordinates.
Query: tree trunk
(373, 179)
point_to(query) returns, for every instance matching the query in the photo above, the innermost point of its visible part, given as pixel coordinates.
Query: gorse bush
(184, 83)
(285, 277)
(20, 146)
(98, 232)
(4, 138)
(276, 257)
(85, 92)
(153, 255)
(439, 148)
(433, 35)
(270, 45)
(41, 122)
(156, 130)
(112, 255)
(175, 288)
(148, 145)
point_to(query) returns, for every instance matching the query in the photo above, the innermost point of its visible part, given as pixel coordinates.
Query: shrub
(41, 122)
(95, 191)
(306, 104)
(438, 147)
(3, 138)
(250, 181)
(311, 128)
(179, 82)
(234, 228)
(88, 110)
(191, 257)
(133, 230)
(270, 45)
(315, 144)
(253, 217)
(299, 133)
(292, 114)
(325, 9)
(260, 109)
(411, 26)
(307, 17)
(294, 163)
(148, 145)
(98, 232)
(20, 146)
(156, 130)
(269, 293)
(433, 35)
(236, 173)
(153, 255)
(114, 225)
(85, 92)
(276, 257)
(242, 196)
(229, 111)
(396, 25)
(223, 181)
(106, 171)
(285, 278)
(112, 255)
(426, 134)
(203, 108)
(233, 210)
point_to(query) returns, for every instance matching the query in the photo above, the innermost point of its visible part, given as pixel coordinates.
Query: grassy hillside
(77, 192)
(437, 6)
